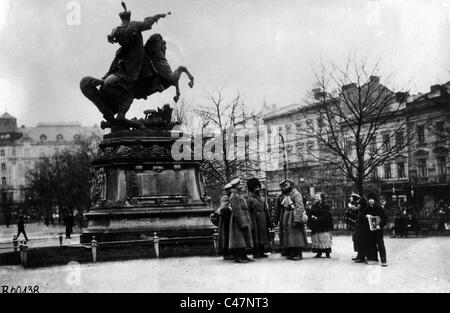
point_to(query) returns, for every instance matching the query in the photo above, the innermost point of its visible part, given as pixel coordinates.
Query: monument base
(143, 223)
(139, 190)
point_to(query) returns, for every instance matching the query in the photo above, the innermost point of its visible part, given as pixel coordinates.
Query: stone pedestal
(140, 189)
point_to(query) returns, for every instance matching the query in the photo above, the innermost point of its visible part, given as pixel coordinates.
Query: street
(415, 265)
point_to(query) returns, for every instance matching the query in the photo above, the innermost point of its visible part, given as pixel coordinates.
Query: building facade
(21, 147)
(418, 175)
(429, 156)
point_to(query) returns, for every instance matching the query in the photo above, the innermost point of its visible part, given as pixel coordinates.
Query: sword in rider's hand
(158, 16)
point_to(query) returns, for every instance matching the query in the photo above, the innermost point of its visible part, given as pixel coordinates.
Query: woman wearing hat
(320, 222)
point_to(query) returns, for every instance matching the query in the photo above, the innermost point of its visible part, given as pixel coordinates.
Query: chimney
(374, 79)
(348, 86)
(435, 88)
(401, 96)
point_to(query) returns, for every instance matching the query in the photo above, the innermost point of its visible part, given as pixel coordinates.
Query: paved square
(415, 265)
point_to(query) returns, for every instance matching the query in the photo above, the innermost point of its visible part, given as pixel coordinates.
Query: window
(2, 152)
(401, 169)
(375, 173)
(442, 165)
(399, 139)
(422, 167)
(387, 171)
(43, 137)
(320, 123)
(373, 144)
(348, 147)
(298, 127)
(440, 129)
(3, 167)
(4, 181)
(59, 137)
(386, 142)
(421, 133)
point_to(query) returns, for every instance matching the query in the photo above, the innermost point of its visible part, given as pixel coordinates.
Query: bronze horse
(112, 98)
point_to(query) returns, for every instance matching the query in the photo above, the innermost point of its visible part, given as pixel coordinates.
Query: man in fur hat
(258, 213)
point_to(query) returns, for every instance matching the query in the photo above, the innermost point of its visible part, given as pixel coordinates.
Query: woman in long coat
(320, 222)
(259, 215)
(240, 225)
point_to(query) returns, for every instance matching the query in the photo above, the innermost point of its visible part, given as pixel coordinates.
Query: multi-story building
(416, 174)
(21, 147)
(429, 154)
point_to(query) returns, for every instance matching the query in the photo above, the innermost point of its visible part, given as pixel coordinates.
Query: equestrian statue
(136, 72)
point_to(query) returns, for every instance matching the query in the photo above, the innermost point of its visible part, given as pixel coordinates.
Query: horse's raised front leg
(191, 78)
(177, 96)
(183, 69)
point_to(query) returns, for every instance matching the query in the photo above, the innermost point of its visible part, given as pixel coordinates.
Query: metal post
(94, 249)
(60, 239)
(25, 255)
(15, 243)
(21, 251)
(156, 244)
(216, 241)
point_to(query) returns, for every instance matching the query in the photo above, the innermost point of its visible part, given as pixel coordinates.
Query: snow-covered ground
(415, 265)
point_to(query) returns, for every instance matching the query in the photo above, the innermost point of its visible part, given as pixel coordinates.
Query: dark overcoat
(224, 213)
(260, 220)
(324, 221)
(240, 223)
(367, 239)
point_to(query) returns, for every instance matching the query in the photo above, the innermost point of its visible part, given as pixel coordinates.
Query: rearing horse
(112, 98)
(155, 47)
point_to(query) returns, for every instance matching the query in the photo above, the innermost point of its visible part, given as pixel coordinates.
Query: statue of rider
(130, 65)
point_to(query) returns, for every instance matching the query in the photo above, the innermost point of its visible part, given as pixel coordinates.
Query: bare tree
(219, 118)
(62, 179)
(357, 123)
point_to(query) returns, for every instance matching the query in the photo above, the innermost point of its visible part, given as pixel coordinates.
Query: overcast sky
(265, 49)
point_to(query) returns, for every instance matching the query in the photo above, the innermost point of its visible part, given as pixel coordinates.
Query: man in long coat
(224, 213)
(240, 225)
(294, 219)
(259, 216)
(278, 218)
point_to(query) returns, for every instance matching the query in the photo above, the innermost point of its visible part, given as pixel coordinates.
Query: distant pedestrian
(294, 220)
(69, 221)
(21, 227)
(320, 222)
(240, 241)
(260, 219)
(224, 214)
(7, 217)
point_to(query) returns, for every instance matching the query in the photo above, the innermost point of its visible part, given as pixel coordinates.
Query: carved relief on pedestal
(98, 185)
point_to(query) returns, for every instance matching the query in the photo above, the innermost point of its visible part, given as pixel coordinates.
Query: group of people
(366, 219)
(244, 222)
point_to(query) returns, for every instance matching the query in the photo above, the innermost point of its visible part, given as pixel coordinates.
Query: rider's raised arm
(149, 21)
